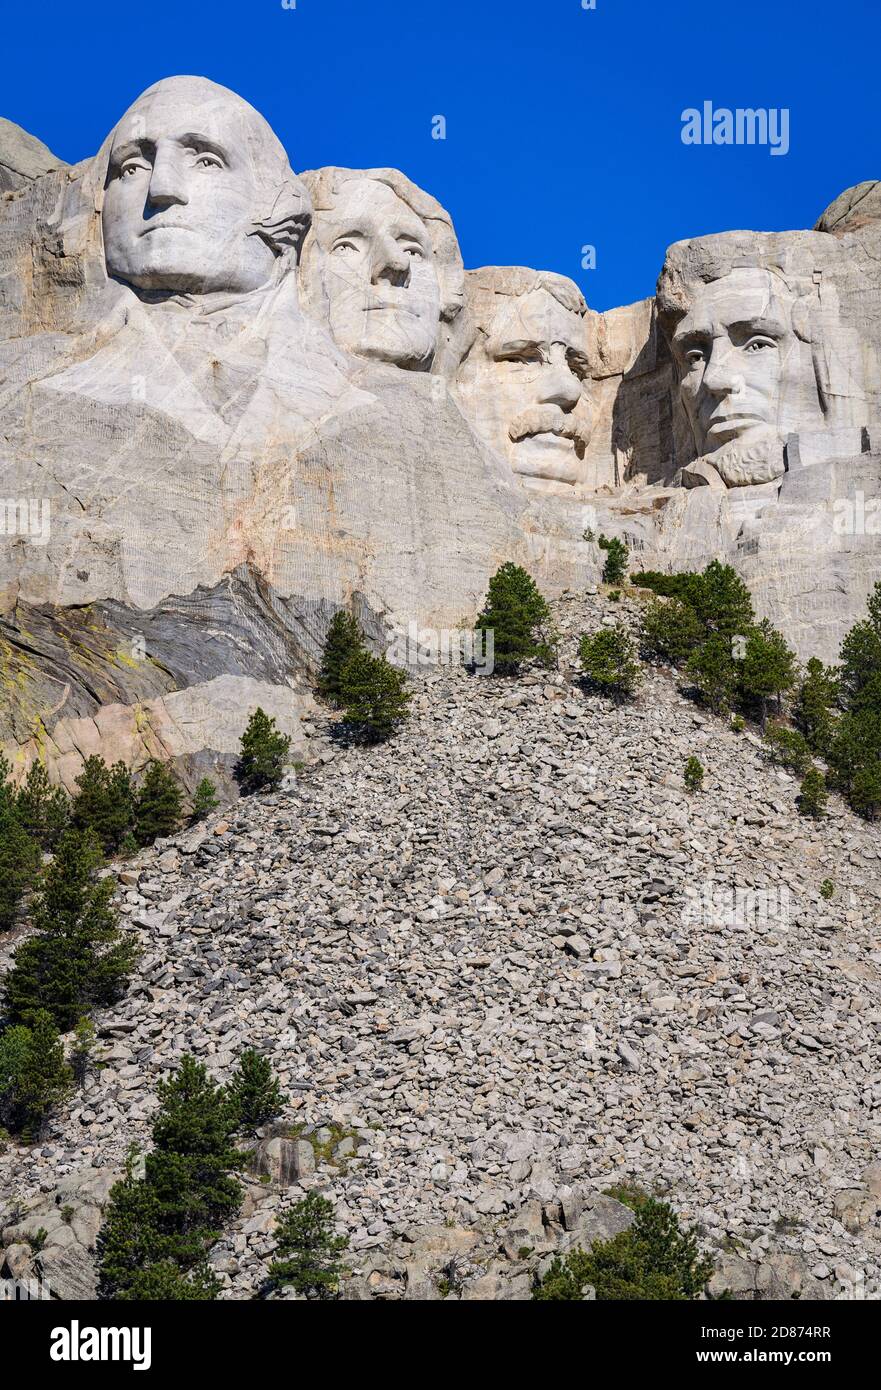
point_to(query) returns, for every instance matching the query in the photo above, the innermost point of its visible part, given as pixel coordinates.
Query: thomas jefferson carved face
(523, 383)
(746, 378)
(376, 262)
(199, 194)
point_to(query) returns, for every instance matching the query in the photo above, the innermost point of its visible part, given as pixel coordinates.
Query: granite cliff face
(234, 399)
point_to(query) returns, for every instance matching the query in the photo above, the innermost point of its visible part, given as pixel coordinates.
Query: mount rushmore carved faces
(522, 382)
(382, 265)
(199, 195)
(746, 375)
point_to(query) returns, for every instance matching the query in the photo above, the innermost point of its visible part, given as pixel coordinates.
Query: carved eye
(209, 161)
(345, 248)
(758, 344)
(130, 168)
(415, 251)
(694, 356)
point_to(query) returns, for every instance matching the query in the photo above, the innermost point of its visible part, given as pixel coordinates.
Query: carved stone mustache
(549, 419)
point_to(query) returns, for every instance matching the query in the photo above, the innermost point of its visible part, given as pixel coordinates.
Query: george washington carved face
(199, 194)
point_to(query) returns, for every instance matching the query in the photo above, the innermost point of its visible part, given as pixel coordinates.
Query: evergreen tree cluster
(370, 692)
(159, 1228)
(707, 622)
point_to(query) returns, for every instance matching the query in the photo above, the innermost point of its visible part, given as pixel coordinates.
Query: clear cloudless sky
(563, 124)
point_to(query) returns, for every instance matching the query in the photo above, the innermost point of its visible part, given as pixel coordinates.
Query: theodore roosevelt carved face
(199, 195)
(523, 381)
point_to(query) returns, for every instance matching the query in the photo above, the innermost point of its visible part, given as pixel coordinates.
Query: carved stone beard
(743, 463)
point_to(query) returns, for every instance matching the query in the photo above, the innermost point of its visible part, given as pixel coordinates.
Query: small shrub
(608, 661)
(738, 723)
(615, 596)
(263, 752)
(205, 800)
(653, 1260)
(789, 748)
(82, 1053)
(711, 667)
(814, 713)
(670, 630)
(374, 697)
(518, 616)
(254, 1092)
(694, 774)
(827, 888)
(309, 1251)
(812, 795)
(617, 555)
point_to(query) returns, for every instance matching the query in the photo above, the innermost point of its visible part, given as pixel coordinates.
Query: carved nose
(391, 265)
(721, 375)
(558, 386)
(166, 183)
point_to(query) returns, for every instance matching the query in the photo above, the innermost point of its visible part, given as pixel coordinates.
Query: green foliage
(42, 809)
(711, 667)
(861, 657)
(855, 746)
(814, 712)
(163, 1226)
(19, 863)
(653, 1260)
(812, 795)
(82, 1052)
(76, 957)
(309, 1252)
(263, 752)
(104, 802)
(768, 667)
(738, 723)
(519, 618)
(694, 774)
(827, 888)
(671, 630)
(789, 748)
(608, 661)
(254, 1092)
(615, 568)
(34, 1077)
(129, 846)
(205, 800)
(158, 804)
(343, 642)
(374, 696)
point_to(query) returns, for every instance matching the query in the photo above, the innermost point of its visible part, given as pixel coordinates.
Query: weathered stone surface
(22, 157)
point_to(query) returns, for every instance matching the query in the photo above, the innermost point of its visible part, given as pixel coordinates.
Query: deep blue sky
(563, 125)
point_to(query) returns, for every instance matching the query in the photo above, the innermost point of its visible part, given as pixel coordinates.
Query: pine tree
(254, 1092)
(615, 567)
(43, 810)
(263, 752)
(671, 630)
(608, 661)
(343, 642)
(517, 615)
(861, 658)
(105, 802)
(711, 667)
(189, 1192)
(814, 712)
(205, 800)
(374, 696)
(158, 804)
(309, 1252)
(76, 957)
(722, 601)
(789, 748)
(694, 774)
(34, 1077)
(19, 863)
(812, 794)
(768, 668)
